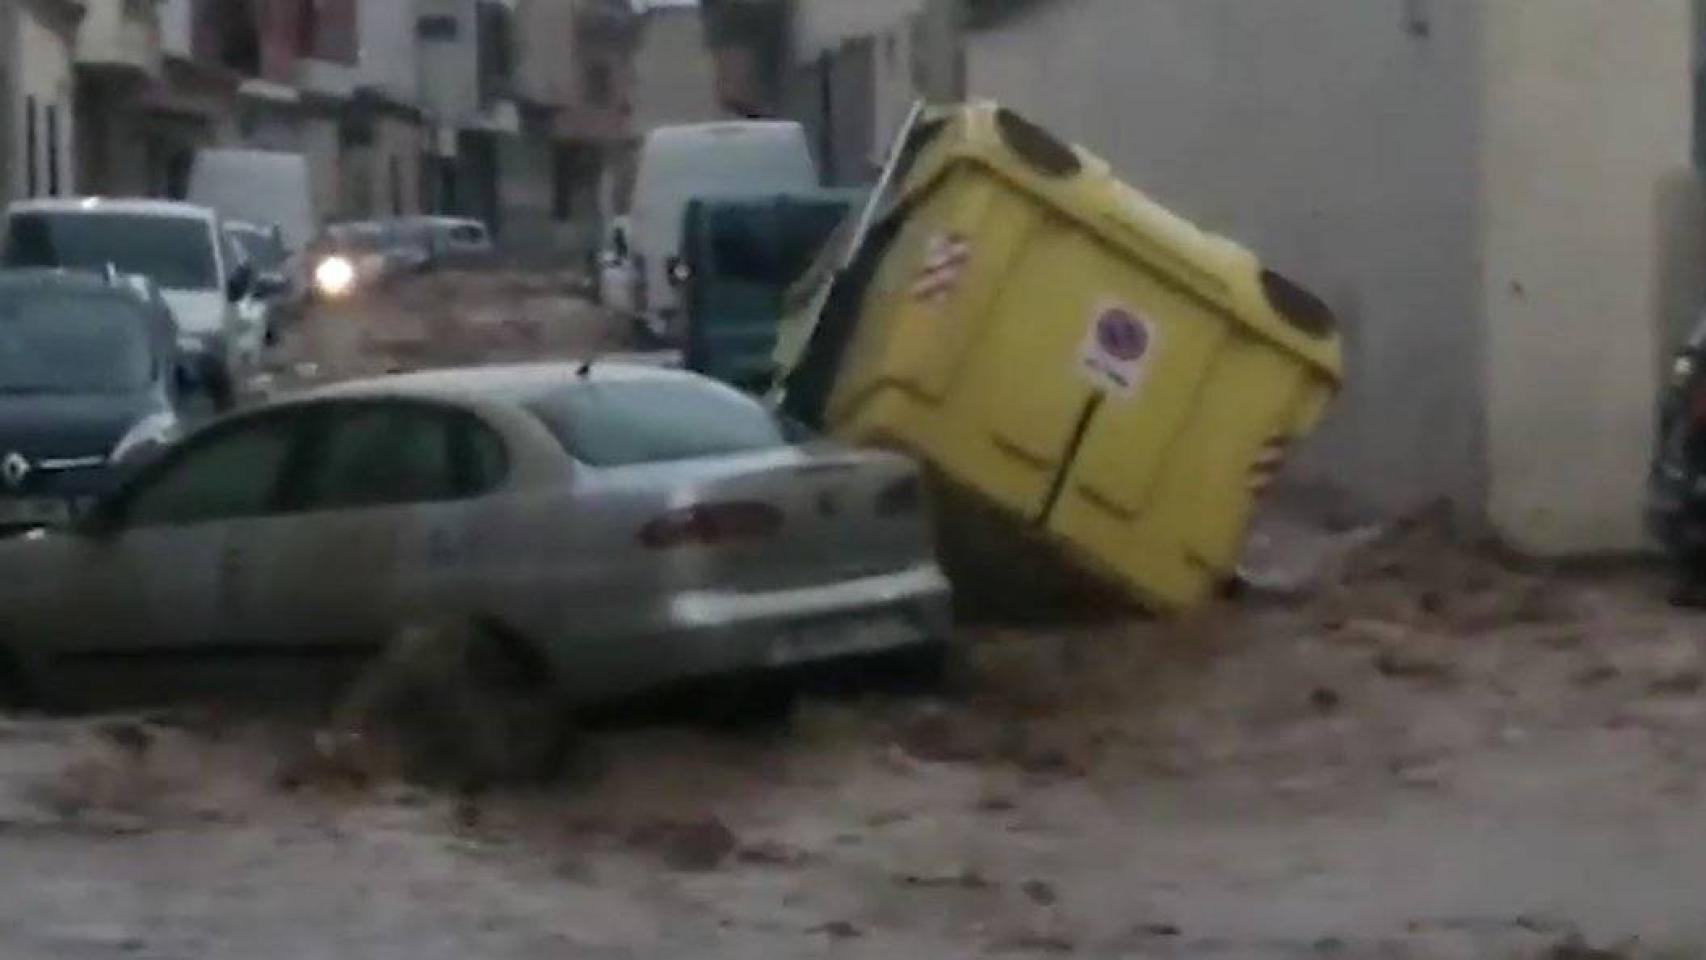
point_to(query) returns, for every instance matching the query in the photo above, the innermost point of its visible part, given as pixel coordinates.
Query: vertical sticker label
(1117, 344)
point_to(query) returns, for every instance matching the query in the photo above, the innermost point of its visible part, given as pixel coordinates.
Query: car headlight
(334, 276)
(151, 433)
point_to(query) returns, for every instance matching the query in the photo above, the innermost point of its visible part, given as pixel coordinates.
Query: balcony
(120, 37)
(325, 78)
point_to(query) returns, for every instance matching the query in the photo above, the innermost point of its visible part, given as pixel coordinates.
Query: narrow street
(1428, 754)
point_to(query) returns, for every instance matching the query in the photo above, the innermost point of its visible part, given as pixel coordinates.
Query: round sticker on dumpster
(1122, 336)
(1118, 340)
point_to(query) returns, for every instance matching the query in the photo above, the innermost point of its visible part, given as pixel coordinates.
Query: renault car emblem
(14, 469)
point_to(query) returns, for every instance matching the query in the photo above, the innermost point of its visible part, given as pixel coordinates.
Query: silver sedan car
(632, 525)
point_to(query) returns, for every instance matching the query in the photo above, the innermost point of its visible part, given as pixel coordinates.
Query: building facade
(1497, 198)
(854, 70)
(38, 97)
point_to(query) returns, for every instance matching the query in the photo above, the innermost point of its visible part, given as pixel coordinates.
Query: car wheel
(467, 705)
(922, 669)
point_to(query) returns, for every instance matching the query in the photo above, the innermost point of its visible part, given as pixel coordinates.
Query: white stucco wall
(449, 70)
(176, 27)
(1336, 137)
(1587, 131)
(44, 74)
(388, 61)
(674, 74)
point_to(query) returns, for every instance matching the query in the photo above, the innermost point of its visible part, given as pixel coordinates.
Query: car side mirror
(238, 285)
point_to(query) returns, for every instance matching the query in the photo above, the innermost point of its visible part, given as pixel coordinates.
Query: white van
(262, 187)
(181, 248)
(679, 164)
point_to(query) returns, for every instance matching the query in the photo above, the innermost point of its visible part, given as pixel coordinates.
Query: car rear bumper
(718, 633)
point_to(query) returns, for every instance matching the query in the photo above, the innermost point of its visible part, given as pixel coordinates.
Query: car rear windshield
(175, 252)
(620, 424)
(52, 342)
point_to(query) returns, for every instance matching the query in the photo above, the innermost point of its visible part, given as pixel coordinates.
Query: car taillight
(711, 524)
(1268, 464)
(900, 498)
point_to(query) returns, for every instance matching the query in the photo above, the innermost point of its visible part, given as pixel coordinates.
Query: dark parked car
(741, 255)
(89, 387)
(1676, 511)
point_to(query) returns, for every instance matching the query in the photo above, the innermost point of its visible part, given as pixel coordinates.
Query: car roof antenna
(585, 369)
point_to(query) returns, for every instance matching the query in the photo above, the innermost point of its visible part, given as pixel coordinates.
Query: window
(261, 248)
(655, 421)
(233, 474)
(437, 28)
(396, 454)
(377, 455)
(175, 252)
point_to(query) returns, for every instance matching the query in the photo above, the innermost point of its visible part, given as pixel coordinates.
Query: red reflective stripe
(945, 258)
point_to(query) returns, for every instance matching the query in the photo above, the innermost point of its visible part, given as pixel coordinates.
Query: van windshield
(174, 252)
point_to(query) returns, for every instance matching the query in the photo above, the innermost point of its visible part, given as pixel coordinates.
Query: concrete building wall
(547, 65)
(856, 69)
(1587, 132)
(389, 167)
(449, 65)
(675, 76)
(321, 148)
(821, 25)
(526, 227)
(388, 62)
(1337, 137)
(43, 94)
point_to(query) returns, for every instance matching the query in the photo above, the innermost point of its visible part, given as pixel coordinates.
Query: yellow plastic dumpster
(1099, 370)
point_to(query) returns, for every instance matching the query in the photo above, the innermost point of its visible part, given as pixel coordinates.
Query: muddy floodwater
(1424, 753)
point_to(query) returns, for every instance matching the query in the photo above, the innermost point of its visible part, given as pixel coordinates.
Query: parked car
(1676, 480)
(180, 247)
(627, 525)
(452, 241)
(88, 389)
(279, 288)
(680, 163)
